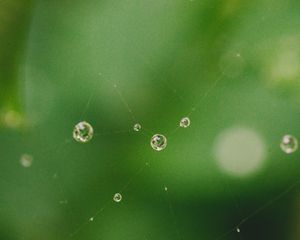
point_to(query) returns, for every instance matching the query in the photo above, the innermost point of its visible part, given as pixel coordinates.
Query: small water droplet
(238, 230)
(117, 197)
(158, 142)
(185, 122)
(137, 127)
(289, 144)
(166, 188)
(83, 132)
(91, 219)
(26, 160)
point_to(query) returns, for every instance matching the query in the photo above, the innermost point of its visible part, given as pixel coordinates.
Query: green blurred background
(232, 66)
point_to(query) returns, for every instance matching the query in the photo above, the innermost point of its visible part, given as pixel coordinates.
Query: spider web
(179, 193)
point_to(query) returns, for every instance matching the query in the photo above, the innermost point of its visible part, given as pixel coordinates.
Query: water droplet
(91, 219)
(289, 144)
(158, 142)
(26, 160)
(166, 189)
(185, 122)
(137, 127)
(117, 197)
(83, 132)
(238, 230)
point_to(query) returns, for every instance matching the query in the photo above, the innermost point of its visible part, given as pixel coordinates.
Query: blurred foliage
(233, 66)
(14, 20)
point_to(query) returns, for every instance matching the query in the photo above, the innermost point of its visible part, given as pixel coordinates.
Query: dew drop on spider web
(117, 197)
(83, 132)
(289, 144)
(185, 122)
(158, 142)
(137, 127)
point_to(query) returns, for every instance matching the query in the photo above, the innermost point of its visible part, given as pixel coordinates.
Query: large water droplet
(117, 197)
(289, 144)
(185, 122)
(137, 127)
(83, 132)
(158, 142)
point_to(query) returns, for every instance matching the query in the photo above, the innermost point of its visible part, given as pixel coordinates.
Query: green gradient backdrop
(228, 64)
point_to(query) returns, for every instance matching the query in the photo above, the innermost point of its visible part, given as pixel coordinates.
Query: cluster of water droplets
(83, 132)
(159, 141)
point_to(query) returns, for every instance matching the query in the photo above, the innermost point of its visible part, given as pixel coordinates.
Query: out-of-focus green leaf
(14, 22)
